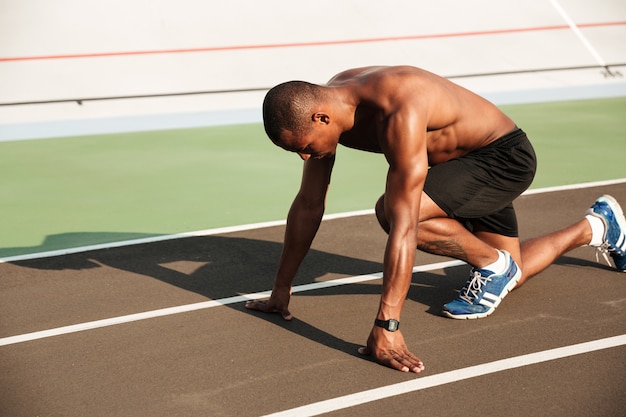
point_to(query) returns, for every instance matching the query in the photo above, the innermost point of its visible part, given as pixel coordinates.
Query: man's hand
(389, 349)
(278, 303)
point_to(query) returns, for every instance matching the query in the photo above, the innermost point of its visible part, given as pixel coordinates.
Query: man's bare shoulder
(354, 74)
(365, 74)
(393, 87)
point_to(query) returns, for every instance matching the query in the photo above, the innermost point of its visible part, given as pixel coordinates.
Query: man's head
(288, 107)
(294, 119)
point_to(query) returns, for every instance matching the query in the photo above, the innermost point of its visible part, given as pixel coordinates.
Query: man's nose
(304, 156)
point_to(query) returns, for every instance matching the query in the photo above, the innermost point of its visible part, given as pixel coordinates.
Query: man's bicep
(407, 155)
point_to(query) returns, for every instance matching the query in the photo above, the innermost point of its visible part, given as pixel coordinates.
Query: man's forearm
(302, 224)
(397, 274)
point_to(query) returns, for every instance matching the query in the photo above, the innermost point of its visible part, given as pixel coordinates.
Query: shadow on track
(218, 267)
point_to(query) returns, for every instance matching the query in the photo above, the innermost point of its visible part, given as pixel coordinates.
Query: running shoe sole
(618, 214)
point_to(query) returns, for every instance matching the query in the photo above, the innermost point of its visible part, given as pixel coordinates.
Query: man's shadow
(224, 266)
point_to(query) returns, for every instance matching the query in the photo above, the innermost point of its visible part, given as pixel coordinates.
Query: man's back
(456, 120)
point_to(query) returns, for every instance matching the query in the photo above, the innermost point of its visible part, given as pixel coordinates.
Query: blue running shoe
(607, 209)
(483, 292)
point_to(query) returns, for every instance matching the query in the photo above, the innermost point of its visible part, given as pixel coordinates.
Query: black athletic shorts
(478, 189)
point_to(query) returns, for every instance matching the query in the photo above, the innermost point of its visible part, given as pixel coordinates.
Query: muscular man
(456, 163)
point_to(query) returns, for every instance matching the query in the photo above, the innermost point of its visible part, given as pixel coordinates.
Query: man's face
(316, 144)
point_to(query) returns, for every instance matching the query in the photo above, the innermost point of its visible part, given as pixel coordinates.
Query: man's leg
(535, 255)
(604, 227)
(440, 235)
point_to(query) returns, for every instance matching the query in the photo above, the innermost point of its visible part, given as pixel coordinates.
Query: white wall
(450, 37)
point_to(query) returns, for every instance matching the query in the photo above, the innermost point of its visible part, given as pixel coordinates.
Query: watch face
(393, 325)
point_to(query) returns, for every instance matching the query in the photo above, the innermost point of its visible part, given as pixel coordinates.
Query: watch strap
(391, 325)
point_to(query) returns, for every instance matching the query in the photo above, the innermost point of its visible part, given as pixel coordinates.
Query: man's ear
(321, 117)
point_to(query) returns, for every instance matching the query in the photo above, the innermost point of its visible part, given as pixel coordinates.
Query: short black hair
(286, 107)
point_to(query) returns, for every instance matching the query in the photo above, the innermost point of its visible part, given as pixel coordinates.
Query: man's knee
(428, 210)
(380, 214)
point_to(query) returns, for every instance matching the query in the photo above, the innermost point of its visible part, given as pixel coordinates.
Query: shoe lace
(470, 292)
(603, 250)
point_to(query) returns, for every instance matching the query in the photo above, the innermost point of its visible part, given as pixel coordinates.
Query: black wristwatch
(390, 325)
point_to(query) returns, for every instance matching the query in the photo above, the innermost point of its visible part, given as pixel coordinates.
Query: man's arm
(405, 149)
(303, 221)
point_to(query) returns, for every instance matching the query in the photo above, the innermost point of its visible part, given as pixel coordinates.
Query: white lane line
(578, 33)
(153, 239)
(11, 340)
(570, 187)
(233, 229)
(418, 384)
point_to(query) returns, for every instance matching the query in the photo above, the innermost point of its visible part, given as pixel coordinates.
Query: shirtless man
(461, 207)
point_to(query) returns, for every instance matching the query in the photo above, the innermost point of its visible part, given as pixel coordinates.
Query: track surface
(227, 361)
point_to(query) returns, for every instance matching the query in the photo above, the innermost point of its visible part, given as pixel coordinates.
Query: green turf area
(67, 192)
(575, 141)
